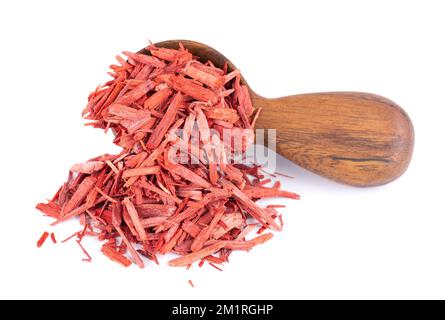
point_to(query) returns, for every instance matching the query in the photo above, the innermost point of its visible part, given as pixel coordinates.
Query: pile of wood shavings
(143, 203)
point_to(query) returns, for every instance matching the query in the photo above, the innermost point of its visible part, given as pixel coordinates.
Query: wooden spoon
(355, 138)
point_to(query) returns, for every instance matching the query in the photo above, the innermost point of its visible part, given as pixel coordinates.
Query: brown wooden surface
(355, 138)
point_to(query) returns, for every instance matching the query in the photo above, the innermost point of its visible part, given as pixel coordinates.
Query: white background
(338, 242)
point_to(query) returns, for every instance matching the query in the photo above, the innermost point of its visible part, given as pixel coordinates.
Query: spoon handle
(359, 139)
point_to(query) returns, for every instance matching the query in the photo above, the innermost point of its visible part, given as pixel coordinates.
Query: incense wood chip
(116, 256)
(165, 123)
(88, 167)
(42, 239)
(211, 249)
(141, 171)
(88, 257)
(84, 188)
(262, 192)
(135, 218)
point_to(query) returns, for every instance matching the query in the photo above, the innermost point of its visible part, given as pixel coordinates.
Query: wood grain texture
(356, 138)
(360, 139)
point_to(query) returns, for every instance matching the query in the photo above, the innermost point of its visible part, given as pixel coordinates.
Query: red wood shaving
(116, 256)
(216, 267)
(143, 201)
(71, 236)
(42, 239)
(53, 237)
(88, 257)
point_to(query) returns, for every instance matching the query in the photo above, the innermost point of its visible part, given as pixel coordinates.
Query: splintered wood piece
(165, 123)
(42, 239)
(116, 256)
